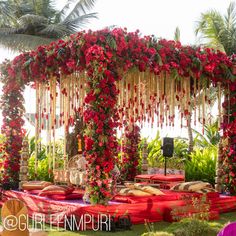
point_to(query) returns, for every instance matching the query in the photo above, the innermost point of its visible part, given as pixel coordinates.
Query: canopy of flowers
(107, 56)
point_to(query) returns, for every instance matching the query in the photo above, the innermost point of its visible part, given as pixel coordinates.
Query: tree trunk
(190, 132)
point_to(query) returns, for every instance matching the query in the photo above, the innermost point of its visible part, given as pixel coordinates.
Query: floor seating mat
(160, 177)
(140, 209)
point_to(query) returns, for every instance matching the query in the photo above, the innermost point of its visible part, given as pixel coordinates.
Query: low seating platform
(140, 209)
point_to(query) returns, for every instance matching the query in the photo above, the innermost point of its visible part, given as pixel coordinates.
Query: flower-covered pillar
(130, 160)
(229, 137)
(12, 112)
(100, 120)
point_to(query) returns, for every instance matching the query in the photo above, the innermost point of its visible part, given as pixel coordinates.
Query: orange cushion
(35, 185)
(56, 190)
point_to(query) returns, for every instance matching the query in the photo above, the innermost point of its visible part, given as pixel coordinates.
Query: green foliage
(24, 25)
(219, 30)
(155, 158)
(193, 227)
(44, 160)
(157, 234)
(211, 136)
(154, 151)
(2, 140)
(202, 165)
(151, 231)
(42, 170)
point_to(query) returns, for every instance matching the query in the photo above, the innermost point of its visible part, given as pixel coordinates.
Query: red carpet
(140, 209)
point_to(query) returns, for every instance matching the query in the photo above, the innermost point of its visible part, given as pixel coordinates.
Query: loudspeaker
(168, 147)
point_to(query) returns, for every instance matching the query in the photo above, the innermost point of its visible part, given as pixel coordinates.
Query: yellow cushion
(151, 190)
(133, 192)
(194, 186)
(130, 185)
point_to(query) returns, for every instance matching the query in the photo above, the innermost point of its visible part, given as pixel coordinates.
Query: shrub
(193, 227)
(202, 165)
(43, 170)
(151, 231)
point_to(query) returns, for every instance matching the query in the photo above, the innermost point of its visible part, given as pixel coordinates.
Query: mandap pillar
(227, 158)
(100, 123)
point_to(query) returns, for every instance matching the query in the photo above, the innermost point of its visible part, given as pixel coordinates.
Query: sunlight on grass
(159, 227)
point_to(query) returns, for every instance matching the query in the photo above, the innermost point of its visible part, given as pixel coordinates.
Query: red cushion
(135, 199)
(143, 176)
(223, 204)
(56, 190)
(72, 196)
(77, 190)
(34, 192)
(167, 178)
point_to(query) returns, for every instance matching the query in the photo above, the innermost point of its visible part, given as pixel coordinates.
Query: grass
(140, 229)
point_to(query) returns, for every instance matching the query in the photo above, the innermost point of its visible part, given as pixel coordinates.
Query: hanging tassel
(36, 130)
(195, 100)
(219, 104)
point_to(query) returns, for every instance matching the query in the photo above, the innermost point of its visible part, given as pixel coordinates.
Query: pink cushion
(72, 196)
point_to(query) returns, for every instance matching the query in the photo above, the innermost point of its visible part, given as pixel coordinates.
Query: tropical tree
(24, 25)
(218, 31)
(211, 136)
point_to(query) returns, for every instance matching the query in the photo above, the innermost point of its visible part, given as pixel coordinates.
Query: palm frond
(56, 31)
(79, 22)
(230, 17)
(30, 19)
(22, 42)
(219, 31)
(82, 7)
(59, 16)
(177, 34)
(6, 13)
(211, 27)
(44, 8)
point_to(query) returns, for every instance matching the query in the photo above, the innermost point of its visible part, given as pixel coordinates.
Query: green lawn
(139, 229)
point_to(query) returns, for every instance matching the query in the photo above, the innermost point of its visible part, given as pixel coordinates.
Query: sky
(158, 17)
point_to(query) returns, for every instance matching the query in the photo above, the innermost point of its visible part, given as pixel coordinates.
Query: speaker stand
(165, 167)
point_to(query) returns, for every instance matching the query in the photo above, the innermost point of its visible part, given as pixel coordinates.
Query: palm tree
(218, 31)
(24, 25)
